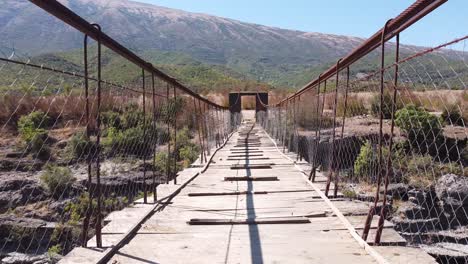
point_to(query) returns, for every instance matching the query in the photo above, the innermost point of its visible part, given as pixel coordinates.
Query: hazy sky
(359, 18)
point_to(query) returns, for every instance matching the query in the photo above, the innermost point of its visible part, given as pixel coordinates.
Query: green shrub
(421, 127)
(57, 180)
(366, 163)
(34, 120)
(189, 154)
(54, 250)
(133, 141)
(80, 147)
(38, 147)
(452, 115)
(386, 107)
(32, 131)
(161, 161)
(111, 119)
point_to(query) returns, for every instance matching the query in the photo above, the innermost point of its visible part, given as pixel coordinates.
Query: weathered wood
(251, 166)
(247, 178)
(240, 159)
(227, 193)
(254, 221)
(245, 155)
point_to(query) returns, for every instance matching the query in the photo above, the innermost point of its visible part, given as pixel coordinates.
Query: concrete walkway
(253, 205)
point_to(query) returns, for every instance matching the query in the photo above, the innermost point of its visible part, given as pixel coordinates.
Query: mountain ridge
(280, 57)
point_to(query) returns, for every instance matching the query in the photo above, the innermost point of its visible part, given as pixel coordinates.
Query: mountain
(261, 52)
(280, 57)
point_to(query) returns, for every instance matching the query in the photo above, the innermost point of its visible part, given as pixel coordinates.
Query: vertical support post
(285, 127)
(278, 128)
(84, 234)
(332, 165)
(206, 126)
(383, 212)
(201, 132)
(296, 132)
(175, 135)
(342, 129)
(372, 211)
(155, 143)
(313, 172)
(145, 189)
(198, 129)
(98, 147)
(168, 120)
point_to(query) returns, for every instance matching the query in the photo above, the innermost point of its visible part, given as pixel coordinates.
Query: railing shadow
(254, 234)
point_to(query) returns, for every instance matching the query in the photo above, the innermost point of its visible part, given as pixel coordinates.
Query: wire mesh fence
(395, 138)
(79, 141)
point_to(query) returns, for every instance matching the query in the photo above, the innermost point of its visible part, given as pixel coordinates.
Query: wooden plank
(251, 166)
(240, 159)
(254, 221)
(247, 178)
(243, 149)
(246, 151)
(226, 193)
(245, 155)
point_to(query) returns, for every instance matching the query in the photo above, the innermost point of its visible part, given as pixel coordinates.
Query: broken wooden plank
(249, 158)
(251, 166)
(226, 193)
(245, 155)
(247, 178)
(253, 221)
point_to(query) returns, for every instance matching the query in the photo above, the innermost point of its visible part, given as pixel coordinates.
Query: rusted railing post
(168, 121)
(285, 126)
(176, 151)
(84, 234)
(98, 147)
(372, 211)
(332, 157)
(201, 132)
(145, 189)
(383, 212)
(155, 143)
(342, 130)
(313, 171)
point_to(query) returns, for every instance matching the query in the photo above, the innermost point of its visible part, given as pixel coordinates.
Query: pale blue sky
(359, 18)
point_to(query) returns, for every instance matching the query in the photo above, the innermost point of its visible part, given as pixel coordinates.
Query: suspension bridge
(354, 167)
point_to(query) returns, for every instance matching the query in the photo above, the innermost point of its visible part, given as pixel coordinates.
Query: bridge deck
(276, 217)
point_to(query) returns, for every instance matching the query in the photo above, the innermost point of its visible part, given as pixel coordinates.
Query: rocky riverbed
(33, 220)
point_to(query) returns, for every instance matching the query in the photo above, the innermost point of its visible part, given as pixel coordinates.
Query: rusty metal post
(313, 171)
(176, 151)
(168, 120)
(285, 127)
(332, 159)
(299, 156)
(198, 129)
(205, 126)
(278, 128)
(84, 234)
(337, 177)
(200, 123)
(383, 212)
(155, 143)
(372, 211)
(145, 189)
(98, 149)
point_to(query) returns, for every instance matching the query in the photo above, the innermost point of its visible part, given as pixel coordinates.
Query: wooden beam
(247, 178)
(254, 221)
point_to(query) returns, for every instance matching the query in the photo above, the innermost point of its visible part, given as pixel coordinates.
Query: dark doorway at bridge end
(235, 101)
